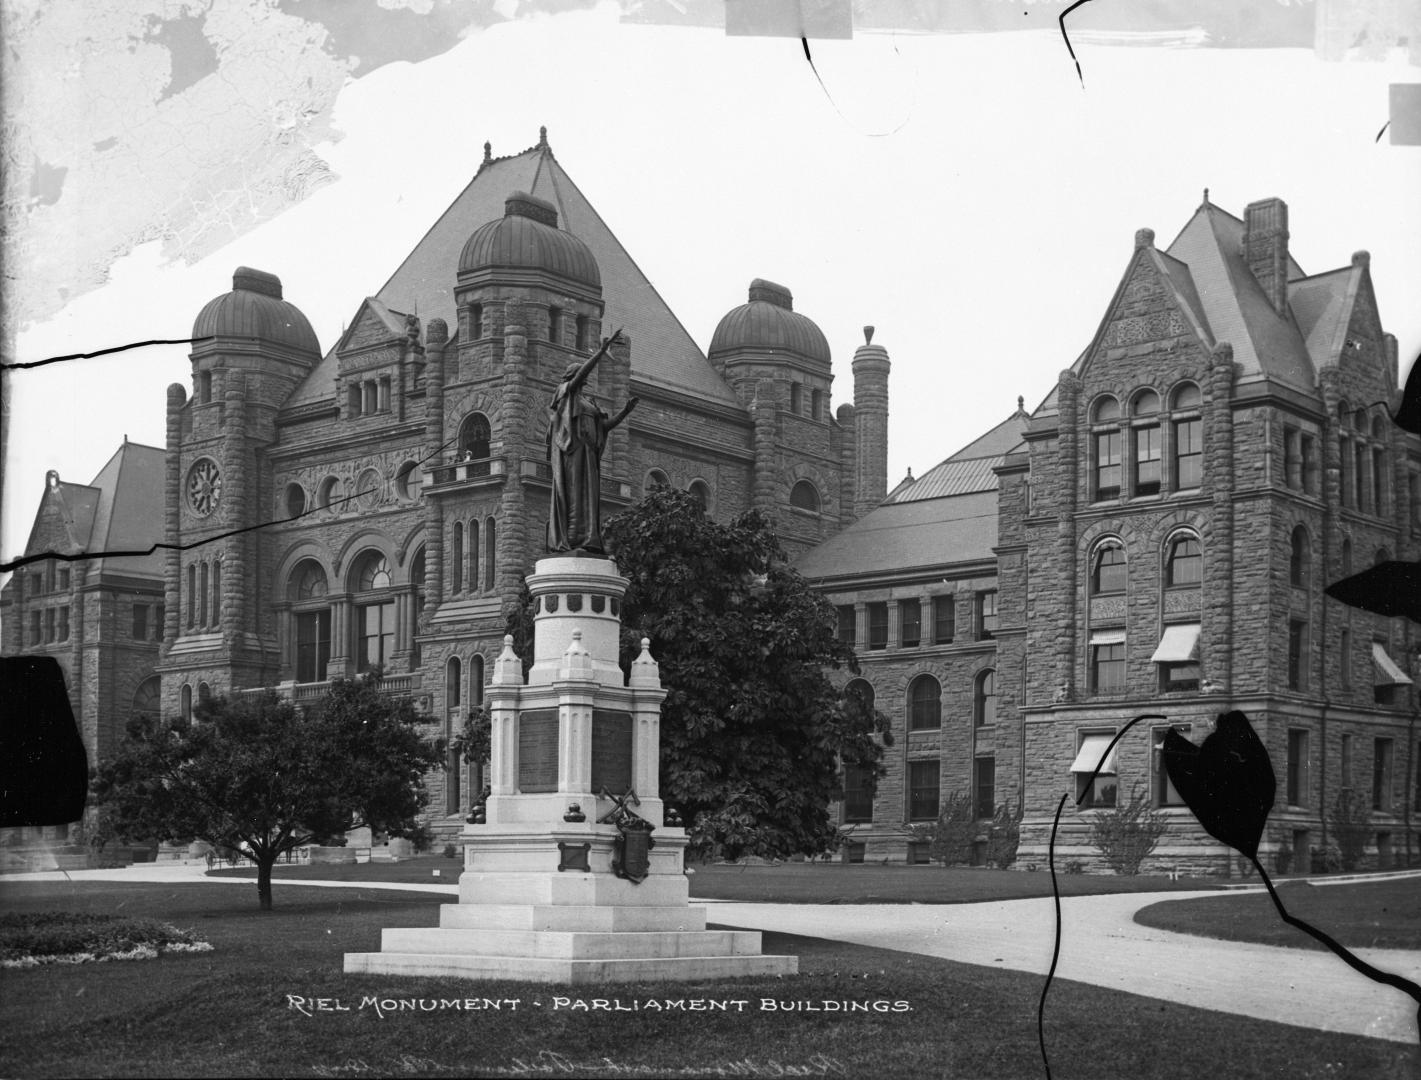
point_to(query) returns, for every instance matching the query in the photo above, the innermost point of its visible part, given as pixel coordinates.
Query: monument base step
(545, 945)
(570, 919)
(570, 972)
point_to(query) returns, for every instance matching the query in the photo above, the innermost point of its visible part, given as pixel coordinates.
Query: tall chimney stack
(1265, 249)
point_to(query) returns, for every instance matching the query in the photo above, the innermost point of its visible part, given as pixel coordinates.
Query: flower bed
(63, 937)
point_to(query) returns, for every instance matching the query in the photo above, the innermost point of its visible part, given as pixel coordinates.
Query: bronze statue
(577, 435)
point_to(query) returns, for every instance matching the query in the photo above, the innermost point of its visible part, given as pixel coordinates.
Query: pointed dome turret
(254, 309)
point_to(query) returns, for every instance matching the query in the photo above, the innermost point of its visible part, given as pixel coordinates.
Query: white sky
(961, 193)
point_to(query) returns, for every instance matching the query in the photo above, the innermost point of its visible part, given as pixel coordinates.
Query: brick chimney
(1265, 249)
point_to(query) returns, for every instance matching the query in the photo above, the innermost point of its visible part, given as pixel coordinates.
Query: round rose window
(204, 487)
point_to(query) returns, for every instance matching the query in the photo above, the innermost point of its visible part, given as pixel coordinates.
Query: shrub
(450, 851)
(1326, 861)
(1075, 867)
(950, 838)
(1351, 824)
(1283, 857)
(1004, 835)
(1127, 833)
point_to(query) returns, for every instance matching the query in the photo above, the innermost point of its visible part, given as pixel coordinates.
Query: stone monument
(574, 877)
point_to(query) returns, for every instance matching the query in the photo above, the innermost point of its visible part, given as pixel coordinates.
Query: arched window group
(475, 437)
(1128, 449)
(1362, 453)
(473, 555)
(204, 594)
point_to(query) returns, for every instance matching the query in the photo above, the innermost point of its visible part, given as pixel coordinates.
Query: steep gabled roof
(902, 537)
(130, 512)
(1234, 305)
(1323, 305)
(122, 510)
(662, 351)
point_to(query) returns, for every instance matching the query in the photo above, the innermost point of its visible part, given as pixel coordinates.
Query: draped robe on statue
(576, 438)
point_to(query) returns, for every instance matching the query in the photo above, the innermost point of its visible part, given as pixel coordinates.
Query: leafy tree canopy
(753, 732)
(260, 776)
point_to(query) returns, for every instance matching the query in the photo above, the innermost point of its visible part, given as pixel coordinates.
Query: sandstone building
(1155, 538)
(378, 503)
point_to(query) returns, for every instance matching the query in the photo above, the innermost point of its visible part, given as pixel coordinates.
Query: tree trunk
(264, 881)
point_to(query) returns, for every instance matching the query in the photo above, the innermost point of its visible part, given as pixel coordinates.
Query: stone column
(437, 336)
(1067, 495)
(1219, 453)
(238, 479)
(520, 428)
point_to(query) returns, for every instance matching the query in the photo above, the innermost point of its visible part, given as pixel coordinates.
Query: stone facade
(401, 479)
(1164, 529)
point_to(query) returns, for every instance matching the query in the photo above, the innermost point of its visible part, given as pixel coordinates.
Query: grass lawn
(1381, 914)
(227, 1012)
(793, 883)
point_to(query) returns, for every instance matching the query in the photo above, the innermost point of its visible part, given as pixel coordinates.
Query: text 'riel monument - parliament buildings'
(1154, 537)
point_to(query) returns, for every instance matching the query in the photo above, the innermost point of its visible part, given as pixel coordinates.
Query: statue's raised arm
(575, 382)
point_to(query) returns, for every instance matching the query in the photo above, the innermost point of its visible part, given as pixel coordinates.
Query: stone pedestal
(541, 898)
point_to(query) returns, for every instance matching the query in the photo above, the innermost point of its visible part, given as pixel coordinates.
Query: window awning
(1108, 637)
(1178, 644)
(1092, 746)
(1388, 674)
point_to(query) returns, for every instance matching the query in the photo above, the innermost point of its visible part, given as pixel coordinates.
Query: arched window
(796, 398)
(700, 491)
(311, 620)
(375, 616)
(1145, 444)
(924, 704)
(372, 571)
(1346, 556)
(490, 552)
(804, 496)
(295, 500)
(1108, 574)
(417, 575)
(1106, 449)
(216, 592)
(476, 321)
(417, 568)
(185, 702)
(204, 693)
(1184, 565)
(474, 436)
(307, 582)
(146, 699)
(862, 691)
(453, 683)
(1378, 468)
(476, 680)
(456, 558)
(1300, 559)
(554, 325)
(1188, 434)
(473, 555)
(1382, 555)
(984, 699)
(816, 404)
(1146, 403)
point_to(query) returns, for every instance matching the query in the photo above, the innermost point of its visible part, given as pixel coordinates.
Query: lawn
(1381, 914)
(229, 1012)
(793, 883)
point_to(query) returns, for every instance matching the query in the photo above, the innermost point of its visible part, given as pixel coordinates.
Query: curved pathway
(1101, 944)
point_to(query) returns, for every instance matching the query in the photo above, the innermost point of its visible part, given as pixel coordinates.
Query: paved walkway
(1101, 944)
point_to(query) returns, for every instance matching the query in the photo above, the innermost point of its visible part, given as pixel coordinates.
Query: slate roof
(1322, 304)
(1234, 305)
(122, 510)
(662, 351)
(970, 469)
(898, 538)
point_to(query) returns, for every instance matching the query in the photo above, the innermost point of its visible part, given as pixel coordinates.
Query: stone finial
(1206, 196)
(576, 661)
(507, 669)
(488, 152)
(436, 332)
(51, 480)
(543, 136)
(909, 477)
(1144, 238)
(1020, 403)
(868, 335)
(412, 327)
(1362, 258)
(646, 672)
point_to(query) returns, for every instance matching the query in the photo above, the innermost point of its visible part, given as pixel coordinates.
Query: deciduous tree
(260, 776)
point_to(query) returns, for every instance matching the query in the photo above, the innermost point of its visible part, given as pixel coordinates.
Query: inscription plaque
(611, 750)
(538, 751)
